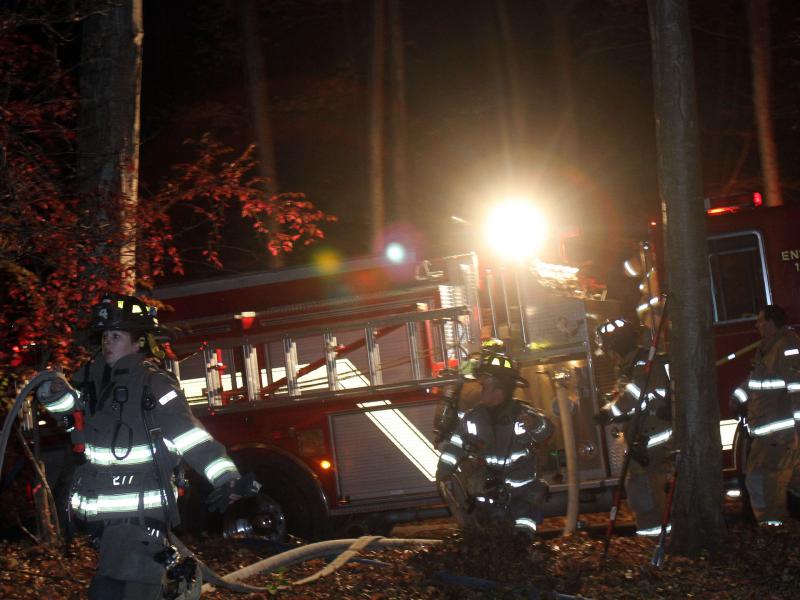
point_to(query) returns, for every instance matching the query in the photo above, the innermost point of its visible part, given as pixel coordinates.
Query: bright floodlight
(395, 252)
(516, 230)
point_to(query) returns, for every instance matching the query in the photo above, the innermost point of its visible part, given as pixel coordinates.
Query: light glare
(395, 252)
(516, 230)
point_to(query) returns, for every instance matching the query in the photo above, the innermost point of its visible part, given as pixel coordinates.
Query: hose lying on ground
(230, 581)
(347, 547)
(351, 547)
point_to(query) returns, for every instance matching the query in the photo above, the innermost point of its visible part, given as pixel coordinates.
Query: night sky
(468, 139)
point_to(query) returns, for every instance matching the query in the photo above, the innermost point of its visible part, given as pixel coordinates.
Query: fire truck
(753, 253)
(325, 381)
(754, 260)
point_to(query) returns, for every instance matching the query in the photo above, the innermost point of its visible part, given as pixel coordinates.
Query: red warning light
(733, 203)
(247, 317)
(723, 210)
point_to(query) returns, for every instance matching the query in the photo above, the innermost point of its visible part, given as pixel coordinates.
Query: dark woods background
(550, 97)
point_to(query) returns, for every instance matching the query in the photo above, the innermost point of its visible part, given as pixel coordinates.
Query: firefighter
(487, 467)
(136, 427)
(769, 401)
(647, 435)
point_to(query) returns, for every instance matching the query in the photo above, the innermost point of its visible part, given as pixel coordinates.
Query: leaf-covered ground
(756, 563)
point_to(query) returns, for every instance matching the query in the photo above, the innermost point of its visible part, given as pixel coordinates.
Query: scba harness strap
(159, 452)
(185, 572)
(183, 576)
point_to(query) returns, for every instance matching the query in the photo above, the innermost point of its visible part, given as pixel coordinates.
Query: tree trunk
(256, 75)
(506, 86)
(377, 211)
(567, 133)
(516, 112)
(697, 511)
(108, 137)
(758, 18)
(400, 198)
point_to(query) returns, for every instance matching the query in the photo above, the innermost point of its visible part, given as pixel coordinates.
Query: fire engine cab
(754, 260)
(325, 380)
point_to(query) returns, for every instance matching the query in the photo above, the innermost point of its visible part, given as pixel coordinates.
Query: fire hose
(8, 425)
(560, 380)
(345, 548)
(351, 547)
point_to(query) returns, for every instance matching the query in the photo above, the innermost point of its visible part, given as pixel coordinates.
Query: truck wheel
(290, 491)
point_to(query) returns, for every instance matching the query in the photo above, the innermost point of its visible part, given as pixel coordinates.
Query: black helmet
(618, 335)
(498, 365)
(124, 313)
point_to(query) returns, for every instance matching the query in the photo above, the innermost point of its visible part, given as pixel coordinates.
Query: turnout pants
(129, 567)
(646, 489)
(769, 468)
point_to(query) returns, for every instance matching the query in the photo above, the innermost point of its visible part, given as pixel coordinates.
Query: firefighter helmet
(495, 344)
(125, 313)
(617, 335)
(499, 365)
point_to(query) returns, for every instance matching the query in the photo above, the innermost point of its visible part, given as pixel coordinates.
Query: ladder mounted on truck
(434, 339)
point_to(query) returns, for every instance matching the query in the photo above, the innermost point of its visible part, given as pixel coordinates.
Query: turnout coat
(131, 413)
(487, 468)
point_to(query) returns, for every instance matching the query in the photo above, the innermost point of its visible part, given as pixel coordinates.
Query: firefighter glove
(225, 495)
(51, 393)
(737, 402)
(740, 411)
(494, 486)
(638, 450)
(664, 410)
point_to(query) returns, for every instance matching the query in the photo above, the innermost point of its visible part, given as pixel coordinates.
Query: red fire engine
(754, 259)
(325, 381)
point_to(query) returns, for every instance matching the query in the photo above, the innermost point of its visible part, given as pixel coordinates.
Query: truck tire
(295, 491)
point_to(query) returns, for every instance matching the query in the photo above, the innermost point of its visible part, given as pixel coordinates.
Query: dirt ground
(755, 563)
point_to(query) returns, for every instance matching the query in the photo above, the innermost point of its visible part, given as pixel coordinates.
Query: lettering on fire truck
(791, 256)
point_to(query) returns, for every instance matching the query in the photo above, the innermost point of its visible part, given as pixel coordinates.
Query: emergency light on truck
(516, 230)
(735, 203)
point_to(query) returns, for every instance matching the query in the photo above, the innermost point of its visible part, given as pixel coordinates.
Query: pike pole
(658, 553)
(626, 462)
(734, 355)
